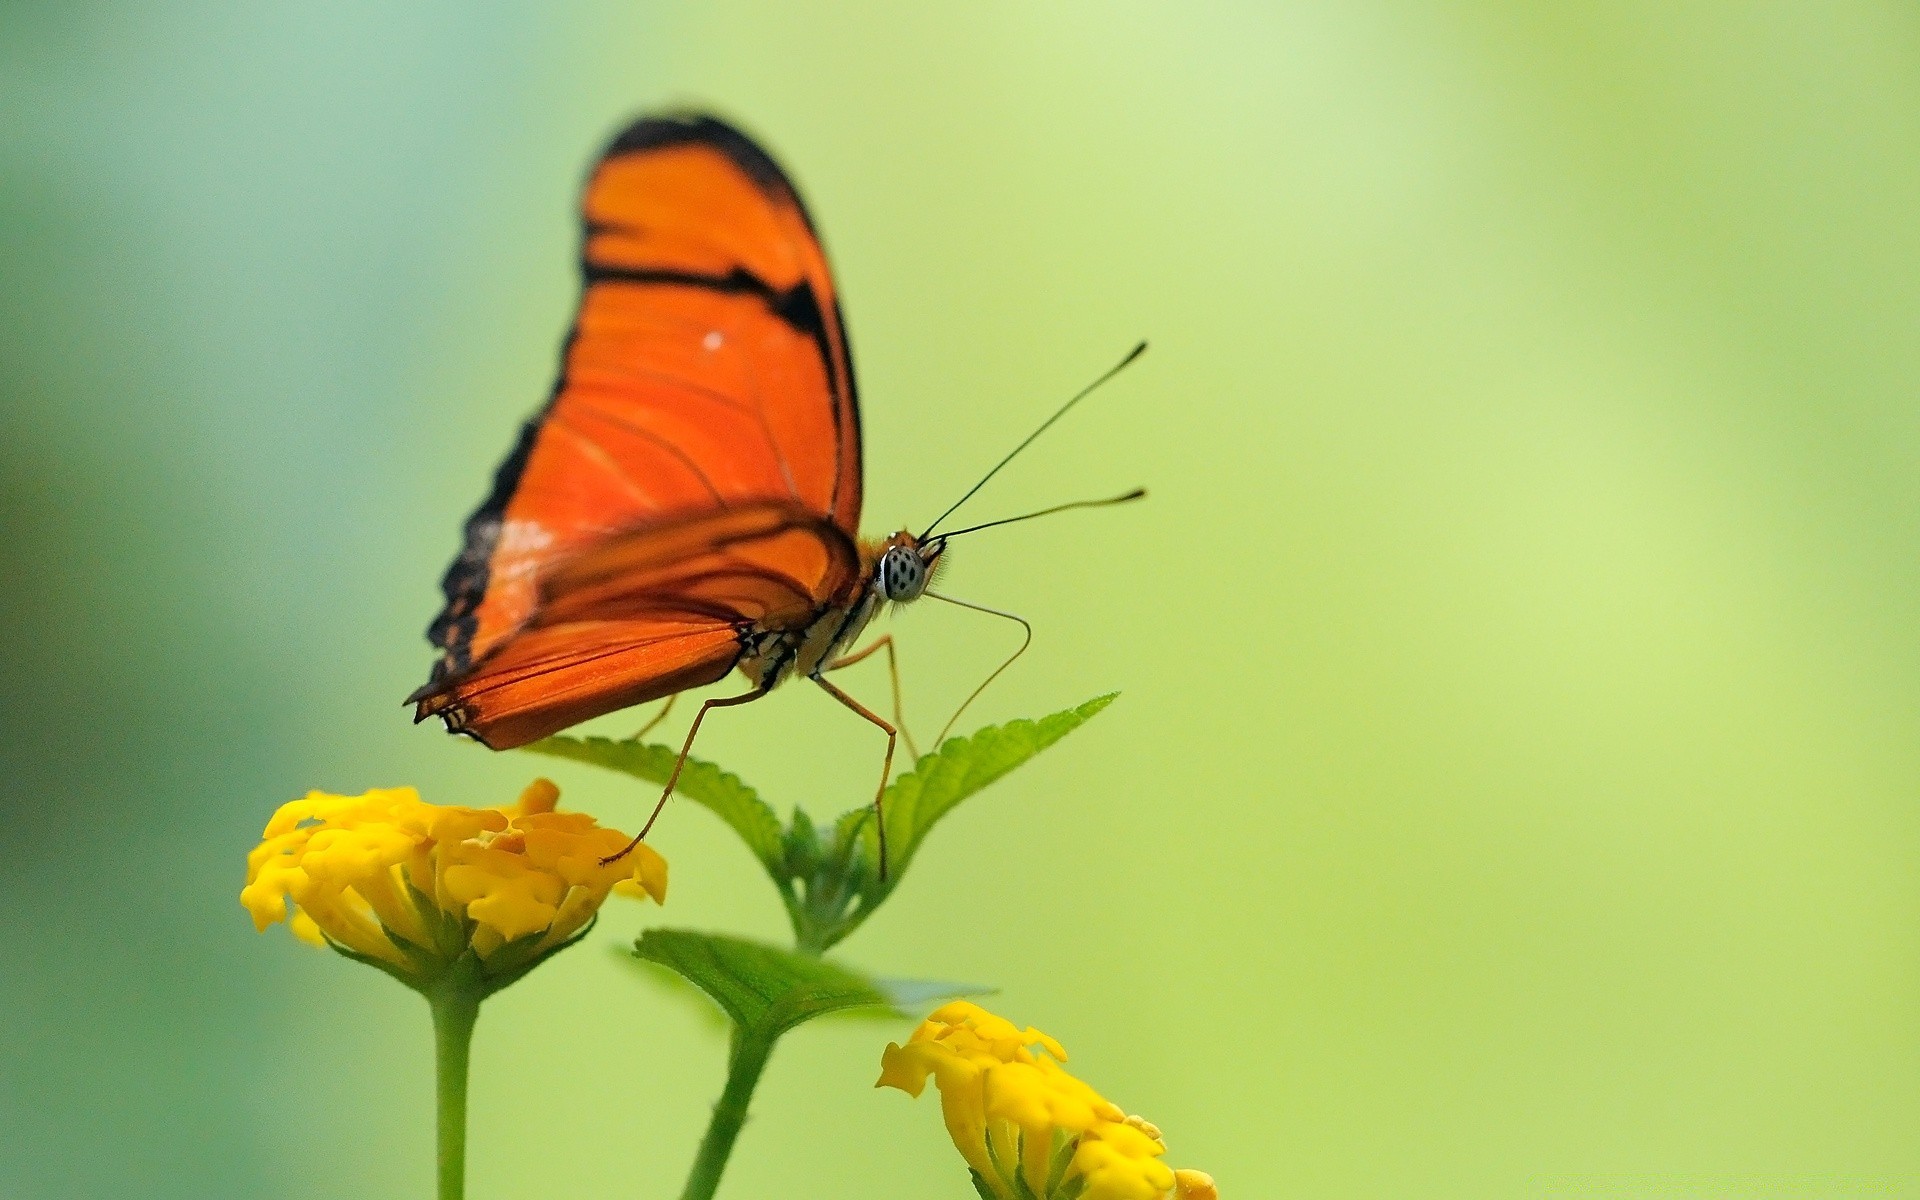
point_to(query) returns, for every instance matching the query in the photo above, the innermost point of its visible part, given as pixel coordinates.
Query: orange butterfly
(688, 501)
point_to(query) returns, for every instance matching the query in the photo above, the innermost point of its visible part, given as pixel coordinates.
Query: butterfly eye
(902, 575)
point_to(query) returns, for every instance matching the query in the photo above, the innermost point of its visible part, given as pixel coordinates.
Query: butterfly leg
(686, 748)
(884, 642)
(886, 768)
(655, 719)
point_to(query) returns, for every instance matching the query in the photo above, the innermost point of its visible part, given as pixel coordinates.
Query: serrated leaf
(720, 792)
(960, 768)
(769, 990)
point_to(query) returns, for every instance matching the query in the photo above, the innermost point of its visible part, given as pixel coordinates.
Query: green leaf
(768, 990)
(803, 849)
(721, 792)
(957, 770)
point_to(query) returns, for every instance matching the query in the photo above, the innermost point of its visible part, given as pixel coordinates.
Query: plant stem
(745, 1061)
(455, 1009)
(811, 939)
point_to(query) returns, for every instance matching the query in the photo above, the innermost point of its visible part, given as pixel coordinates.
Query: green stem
(745, 1062)
(455, 1009)
(812, 938)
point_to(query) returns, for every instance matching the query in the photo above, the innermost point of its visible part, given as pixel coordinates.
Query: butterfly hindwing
(646, 614)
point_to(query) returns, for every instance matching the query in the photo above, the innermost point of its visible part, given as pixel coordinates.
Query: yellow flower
(1026, 1127)
(414, 888)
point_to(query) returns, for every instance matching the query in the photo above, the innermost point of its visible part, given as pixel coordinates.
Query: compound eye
(902, 576)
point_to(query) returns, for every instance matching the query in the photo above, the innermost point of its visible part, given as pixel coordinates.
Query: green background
(1512, 792)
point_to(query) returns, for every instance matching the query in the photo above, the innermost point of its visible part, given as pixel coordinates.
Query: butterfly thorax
(773, 656)
(894, 570)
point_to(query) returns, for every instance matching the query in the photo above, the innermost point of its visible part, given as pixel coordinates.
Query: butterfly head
(906, 566)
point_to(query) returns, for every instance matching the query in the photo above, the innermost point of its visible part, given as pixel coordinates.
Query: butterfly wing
(707, 371)
(645, 614)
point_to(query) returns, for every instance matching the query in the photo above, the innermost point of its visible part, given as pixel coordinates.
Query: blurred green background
(1513, 788)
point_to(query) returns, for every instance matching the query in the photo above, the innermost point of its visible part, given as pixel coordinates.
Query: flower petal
(387, 876)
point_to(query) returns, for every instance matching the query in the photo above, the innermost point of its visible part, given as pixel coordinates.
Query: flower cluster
(415, 888)
(1028, 1129)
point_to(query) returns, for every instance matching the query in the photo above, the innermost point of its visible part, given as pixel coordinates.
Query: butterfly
(687, 503)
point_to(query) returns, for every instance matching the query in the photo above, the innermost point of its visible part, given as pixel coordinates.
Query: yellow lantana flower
(415, 888)
(1028, 1129)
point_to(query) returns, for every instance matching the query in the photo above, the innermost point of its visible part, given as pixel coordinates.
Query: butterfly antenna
(1024, 643)
(1082, 394)
(1138, 493)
